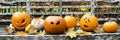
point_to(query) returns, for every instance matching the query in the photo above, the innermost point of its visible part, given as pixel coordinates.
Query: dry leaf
(71, 33)
(80, 31)
(21, 33)
(87, 33)
(33, 31)
(98, 29)
(10, 29)
(83, 32)
(42, 33)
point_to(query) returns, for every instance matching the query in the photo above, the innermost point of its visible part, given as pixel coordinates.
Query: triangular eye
(51, 23)
(23, 20)
(58, 23)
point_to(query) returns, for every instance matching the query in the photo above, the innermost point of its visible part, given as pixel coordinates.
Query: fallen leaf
(80, 31)
(21, 33)
(33, 31)
(98, 29)
(87, 33)
(42, 33)
(71, 33)
(9, 29)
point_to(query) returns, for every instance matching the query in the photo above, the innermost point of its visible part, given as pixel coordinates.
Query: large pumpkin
(54, 24)
(110, 26)
(70, 21)
(20, 20)
(88, 22)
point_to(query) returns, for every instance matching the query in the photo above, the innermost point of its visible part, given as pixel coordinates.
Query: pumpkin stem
(71, 14)
(109, 20)
(41, 17)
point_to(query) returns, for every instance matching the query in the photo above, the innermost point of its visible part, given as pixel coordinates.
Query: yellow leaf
(80, 32)
(42, 33)
(21, 33)
(41, 16)
(71, 33)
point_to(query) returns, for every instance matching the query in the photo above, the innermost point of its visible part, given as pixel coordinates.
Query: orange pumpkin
(54, 24)
(20, 20)
(88, 22)
(70, 21)
(110, 26)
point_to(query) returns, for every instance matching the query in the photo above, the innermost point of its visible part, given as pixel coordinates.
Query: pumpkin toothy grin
(85, 26)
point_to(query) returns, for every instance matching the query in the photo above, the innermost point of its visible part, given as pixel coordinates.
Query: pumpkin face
(37, 23)
(54, 24)
(110, 26)
(88, 22)
(70, 21)
(20, 20)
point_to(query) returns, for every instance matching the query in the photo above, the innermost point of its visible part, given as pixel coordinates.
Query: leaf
(10, 29)
(98, 29)
(84, 9)
(33, 31)
(87, 33)
(71, 33)
(55, 10)
(80, 32)
(21, 33)
(42, 33)
(41, 17)
(46, 9)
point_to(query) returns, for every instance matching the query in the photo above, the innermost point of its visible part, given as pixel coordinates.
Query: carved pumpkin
(20, 20)
(37, 23)
(88, 22)
(70, 21)
(110, 26)
(54, 24)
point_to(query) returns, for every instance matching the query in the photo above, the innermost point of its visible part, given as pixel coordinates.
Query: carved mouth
(54, 28)
(22, 25)
(85, 26)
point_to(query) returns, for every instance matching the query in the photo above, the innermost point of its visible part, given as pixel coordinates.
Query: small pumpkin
(54, 24)
(37, 23)
(88, 22)
(110, 26)
(20, 20)
(70, 21)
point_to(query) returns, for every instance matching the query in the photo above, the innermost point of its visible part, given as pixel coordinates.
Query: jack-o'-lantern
(70, 21)
(20, 20)
(110, 26)
(37, 23)
(88, 22)
(55, 24)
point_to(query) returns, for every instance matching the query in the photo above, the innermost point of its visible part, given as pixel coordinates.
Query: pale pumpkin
(110, 26)
(88, 22)
(70, 21)
(37, 23)
(20, 20)
(55, 24)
